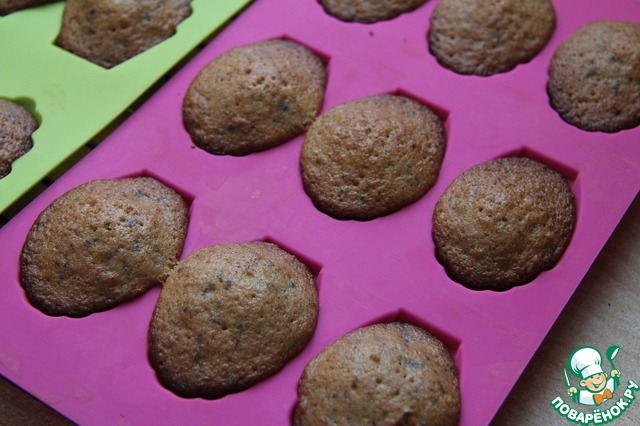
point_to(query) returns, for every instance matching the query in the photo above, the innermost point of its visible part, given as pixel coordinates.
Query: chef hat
(586, 362)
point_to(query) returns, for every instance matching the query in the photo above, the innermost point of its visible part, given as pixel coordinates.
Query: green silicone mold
(73, 98)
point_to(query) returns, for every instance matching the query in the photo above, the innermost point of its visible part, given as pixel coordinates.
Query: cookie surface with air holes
(17, 125)
(393, 374)
(372, 156)
(254, 97)
(109, 32)
(102, 243)
(230, 316)
(500, 223)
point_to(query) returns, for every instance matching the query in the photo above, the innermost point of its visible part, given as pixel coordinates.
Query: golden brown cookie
(501, 223)
(102, 243)
(372, 156)
(230, 316)
(594, 77)
(9, 6)
(17, 125)
(489, 37)
(386, 374)
(108, 32)
(369, 11)
(254, 97)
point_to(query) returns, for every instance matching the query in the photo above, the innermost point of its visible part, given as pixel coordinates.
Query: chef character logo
(595, 389)
(596, 385)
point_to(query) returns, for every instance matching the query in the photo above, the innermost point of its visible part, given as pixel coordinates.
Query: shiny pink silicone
(95, 370)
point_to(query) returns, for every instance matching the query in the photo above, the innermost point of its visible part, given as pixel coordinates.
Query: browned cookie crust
(372, 156)
(108, 32)
(17, 125)
(386, 374)
(501, 223)
(594, 77)
(9, 6)
(254, 97)
(488, 37)
(102, 243)
(230, 316)
(369, 11)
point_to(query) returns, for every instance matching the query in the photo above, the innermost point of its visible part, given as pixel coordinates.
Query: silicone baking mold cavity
(75, 98)
(95, 370)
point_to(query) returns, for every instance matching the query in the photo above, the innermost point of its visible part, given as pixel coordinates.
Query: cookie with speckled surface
(10, 6)
(501, 223)
(387, 374)
(369, 11)
(109, 32)
(254, 97)
(17, 125)
(489, 37)
(371, 157)
(102, 243)
(594, 77)
(229, 316)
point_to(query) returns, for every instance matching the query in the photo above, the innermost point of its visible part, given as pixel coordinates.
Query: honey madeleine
(17, 125)
(9, 6)
(109, 32)
(489, 37)
(371, 157)
(254, 97)
(381, 374)
(369, 11)
(501, 223)
(594, 75)
(230, 316)
(102, 243)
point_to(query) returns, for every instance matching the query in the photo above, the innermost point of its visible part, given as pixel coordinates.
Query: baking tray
(74, 99)
(95, 370)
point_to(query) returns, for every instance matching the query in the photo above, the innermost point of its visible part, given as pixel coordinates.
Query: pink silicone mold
(95, 370)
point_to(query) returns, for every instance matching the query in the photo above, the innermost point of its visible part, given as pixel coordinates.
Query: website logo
(592, 387)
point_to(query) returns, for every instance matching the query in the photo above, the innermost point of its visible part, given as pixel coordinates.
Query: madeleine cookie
(17, 125)
(254, 97)
(489, 37)
(393, 374)
(369, 11)
(594, 77)
(501, 223)
(230, 316)
(102, 243)
(108, 32)
(9, 6)
(372, 156)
